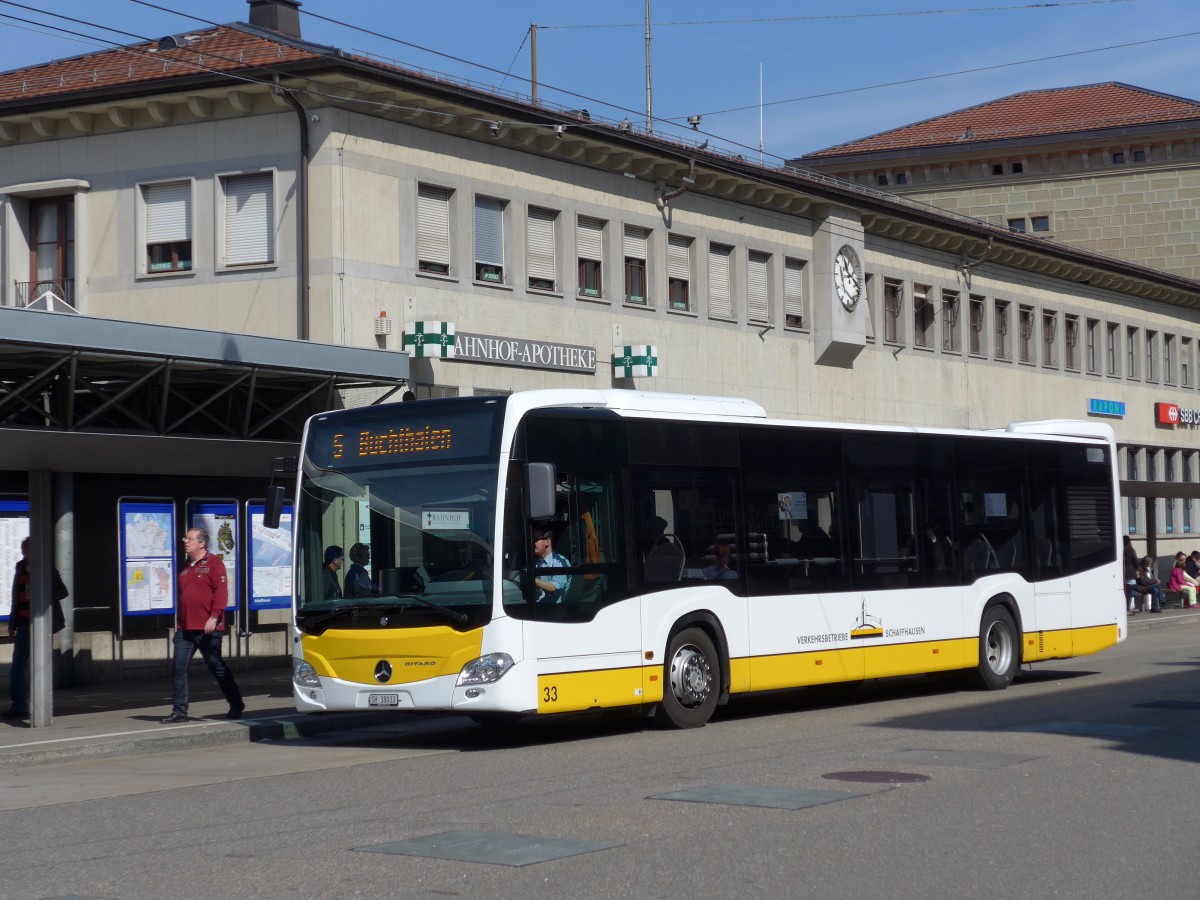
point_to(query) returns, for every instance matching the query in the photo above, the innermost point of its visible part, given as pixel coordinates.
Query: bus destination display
(352, 441)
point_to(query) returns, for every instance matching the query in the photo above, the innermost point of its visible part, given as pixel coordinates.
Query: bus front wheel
(691, 675)
(998, 650)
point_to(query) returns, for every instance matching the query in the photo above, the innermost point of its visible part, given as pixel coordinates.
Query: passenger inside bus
(720, 568)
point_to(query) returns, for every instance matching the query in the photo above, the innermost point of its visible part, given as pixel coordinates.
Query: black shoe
(1156, 610)
(14, 714)
(235, 712)
(174, 719)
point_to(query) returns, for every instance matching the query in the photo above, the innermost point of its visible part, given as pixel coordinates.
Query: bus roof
(620, 400)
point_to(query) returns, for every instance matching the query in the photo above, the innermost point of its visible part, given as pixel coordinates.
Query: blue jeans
(18, 686)
(1156, 596)
(186, 644)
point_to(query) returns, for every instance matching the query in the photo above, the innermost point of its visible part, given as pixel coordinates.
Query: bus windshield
(398, 506)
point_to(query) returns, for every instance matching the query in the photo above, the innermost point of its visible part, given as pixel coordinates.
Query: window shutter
(637, 241)
(249, 219)
(756, 287)
(489, 231)
(539, 243)
(793, 289)
(679, 258)
(720, 304)
(168, 212)
(433, 225)
(589, 238)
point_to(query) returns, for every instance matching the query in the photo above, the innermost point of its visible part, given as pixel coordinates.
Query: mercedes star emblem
(383, 671)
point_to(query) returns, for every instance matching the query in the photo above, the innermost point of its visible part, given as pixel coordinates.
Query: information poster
(270, 558)
(14, 528)
(220, 519)
(149, 549)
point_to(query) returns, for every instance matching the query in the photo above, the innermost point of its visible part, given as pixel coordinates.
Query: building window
(541, 244)
(893, 302)
(637, 246)
(869, 300)
(977, 324)
(1131, 472)
(1168, 366)
(52, 250)
(1092, 349)
(1139, 155)
(1001, 329)
(1017, 225)
(1110, 348)
(1040, 223)
(951, 341)
(1185, 362)
(923, 317)
(1131, 352)
(758, 297)
(1018, 168)
(881, 180)
(901, 178)
(1025, 324)
(1151, 355)
(433, 230)
(489, 240)
(997, 168)
(1050, 339)
(679, 272)
(435, 391)
(1118, 157)
(168, 229)
(793, 293)
(1169, 475)
(249, 219)
(589, 246)
(720, 292)
(1071, 340)
(1185, 459)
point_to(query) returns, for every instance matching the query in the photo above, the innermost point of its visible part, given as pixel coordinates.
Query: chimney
(276, 15)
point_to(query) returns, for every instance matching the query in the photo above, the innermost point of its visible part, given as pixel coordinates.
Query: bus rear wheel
(691, 679)
(998, 650)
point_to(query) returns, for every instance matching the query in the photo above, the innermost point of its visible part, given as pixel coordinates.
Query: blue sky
(814, 57)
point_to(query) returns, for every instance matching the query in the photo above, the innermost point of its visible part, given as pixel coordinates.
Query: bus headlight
(304, 675)
(486, 669)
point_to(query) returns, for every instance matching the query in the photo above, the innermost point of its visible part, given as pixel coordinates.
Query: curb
(200, 733)
(1168, 618)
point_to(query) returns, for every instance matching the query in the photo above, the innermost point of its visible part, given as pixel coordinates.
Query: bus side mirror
(539, 490)
(274, 507)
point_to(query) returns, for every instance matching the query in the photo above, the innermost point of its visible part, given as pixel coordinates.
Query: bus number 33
(550, 694)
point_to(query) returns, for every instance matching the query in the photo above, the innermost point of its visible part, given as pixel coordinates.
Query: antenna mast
(649, 101)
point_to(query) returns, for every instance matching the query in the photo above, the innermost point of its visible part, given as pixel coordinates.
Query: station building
(206, 238)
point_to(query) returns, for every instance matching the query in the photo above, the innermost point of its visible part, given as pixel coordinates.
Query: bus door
(801, 599)
(585, 635)
(909, 600)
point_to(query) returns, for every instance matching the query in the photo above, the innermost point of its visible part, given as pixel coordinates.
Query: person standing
(1131, 564)
(18, 630)
(331, 588)
(203, 595)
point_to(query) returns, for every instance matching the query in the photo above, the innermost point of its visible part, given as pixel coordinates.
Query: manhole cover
(877, 777)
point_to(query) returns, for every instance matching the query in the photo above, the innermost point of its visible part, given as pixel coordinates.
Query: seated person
(330, 587)
(722, 554)
(551, 587)
(358, 580)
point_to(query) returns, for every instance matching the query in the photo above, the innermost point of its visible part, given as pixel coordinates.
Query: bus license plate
(383, 699)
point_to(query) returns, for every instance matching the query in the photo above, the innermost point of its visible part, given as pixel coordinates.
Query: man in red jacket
(203, 594)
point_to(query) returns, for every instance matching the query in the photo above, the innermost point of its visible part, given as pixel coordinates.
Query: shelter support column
(41, 581)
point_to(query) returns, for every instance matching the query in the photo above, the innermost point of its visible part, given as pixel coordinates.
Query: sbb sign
(1174, 414)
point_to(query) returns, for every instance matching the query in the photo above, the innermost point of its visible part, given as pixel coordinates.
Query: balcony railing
(55, 294)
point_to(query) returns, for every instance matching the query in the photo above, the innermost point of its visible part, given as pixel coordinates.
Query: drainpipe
(688, 181)
(302, 213)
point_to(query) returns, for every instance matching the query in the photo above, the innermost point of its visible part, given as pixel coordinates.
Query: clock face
(847, 277)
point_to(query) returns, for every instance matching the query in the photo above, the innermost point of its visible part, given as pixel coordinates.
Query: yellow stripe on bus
(597, 689)
(1068, 642)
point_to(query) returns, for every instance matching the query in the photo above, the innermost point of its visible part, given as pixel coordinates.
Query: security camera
(694, 121)
(315, 118)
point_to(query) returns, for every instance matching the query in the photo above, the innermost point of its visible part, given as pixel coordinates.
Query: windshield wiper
(320, 618)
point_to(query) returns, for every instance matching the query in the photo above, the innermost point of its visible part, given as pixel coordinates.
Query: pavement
(124, 718)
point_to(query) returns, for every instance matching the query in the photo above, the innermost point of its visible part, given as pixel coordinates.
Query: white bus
(697, 550)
